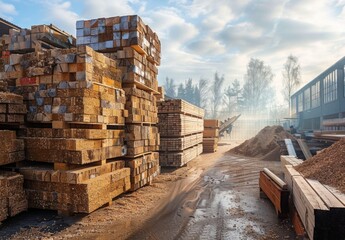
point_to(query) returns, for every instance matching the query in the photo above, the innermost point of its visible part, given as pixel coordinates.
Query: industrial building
(320, 104)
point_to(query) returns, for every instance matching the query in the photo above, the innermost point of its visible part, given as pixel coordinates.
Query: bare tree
(257, 88)
(231, 96)
(291, 77)
(217, 94)
(170, 87)
(201, 94)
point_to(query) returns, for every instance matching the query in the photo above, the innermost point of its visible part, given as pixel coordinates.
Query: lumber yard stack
(136, 48)
(75, 127)
(12, 195)
(181, 128)
(321, 208)
(210, 135)
(39, 36)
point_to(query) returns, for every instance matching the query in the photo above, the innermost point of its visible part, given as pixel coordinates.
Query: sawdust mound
(264, 145)
(328, 167)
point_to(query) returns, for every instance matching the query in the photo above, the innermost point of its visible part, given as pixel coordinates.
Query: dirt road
(215, 197)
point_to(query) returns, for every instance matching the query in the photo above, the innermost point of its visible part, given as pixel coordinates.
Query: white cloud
(7, 11)
(59, 13)
(107, 8)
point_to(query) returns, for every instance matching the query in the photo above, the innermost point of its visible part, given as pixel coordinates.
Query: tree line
(255, 95)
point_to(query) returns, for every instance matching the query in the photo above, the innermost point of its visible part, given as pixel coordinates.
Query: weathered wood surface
(11, 148)
(180, 143)
(12, 195)
(178, 159)
(180, 106)
(279, 196)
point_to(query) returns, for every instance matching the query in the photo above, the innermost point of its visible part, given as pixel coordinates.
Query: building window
(293, 106)
(306, 105)
(300, 102)
(344, 79)
(330, 87)
(315, 95)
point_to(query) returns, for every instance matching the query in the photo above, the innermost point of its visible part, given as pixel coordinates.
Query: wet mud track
(222, 202)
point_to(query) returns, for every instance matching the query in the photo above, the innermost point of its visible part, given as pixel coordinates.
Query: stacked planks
(210, 135)
(180, 126)
(136, 49)
(12, 112)
(75, 121)
(12, 195)
(320, 208)
(39, 36)
(12, 109)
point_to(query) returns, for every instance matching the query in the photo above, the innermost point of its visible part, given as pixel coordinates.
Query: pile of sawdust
(264, 145)
(328, 167)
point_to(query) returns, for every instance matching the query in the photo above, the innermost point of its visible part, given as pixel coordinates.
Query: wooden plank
(290, 147)
(313, 212)
(304, 148)
(289, 173)
(180, 106)
(276, 179)
(278, 196)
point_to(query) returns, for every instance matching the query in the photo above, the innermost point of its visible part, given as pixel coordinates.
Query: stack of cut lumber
(11, 148)
(320, 207)
(180, 126)
(144, 168)
(136, 68)
(114, 33)
(12, 112)
(141, 139)
(136, 49)
(12, 108)
(83, 189)
(210, 135)
(73, 85)
(39, 36)
(12, 195)
(75, 122)
(141, 106)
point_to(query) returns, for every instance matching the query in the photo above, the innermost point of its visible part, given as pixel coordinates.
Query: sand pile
(264, 145)
(328, 167)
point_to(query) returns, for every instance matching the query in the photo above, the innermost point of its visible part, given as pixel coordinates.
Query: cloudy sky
(201, 37)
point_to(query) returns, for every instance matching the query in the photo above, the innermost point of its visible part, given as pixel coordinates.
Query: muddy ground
(216, 196)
